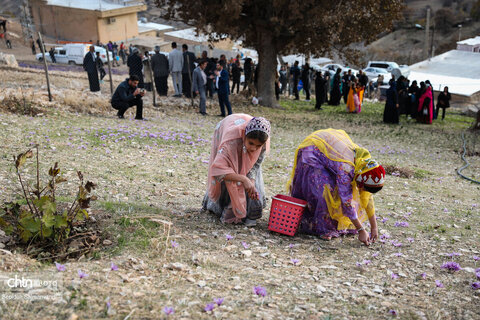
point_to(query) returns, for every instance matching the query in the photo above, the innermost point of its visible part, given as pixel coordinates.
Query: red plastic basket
(285, 214)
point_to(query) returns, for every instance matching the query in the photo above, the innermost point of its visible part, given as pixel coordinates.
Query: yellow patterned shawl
(336, 145)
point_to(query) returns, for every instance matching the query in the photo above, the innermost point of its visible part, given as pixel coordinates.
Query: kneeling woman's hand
(364, 237)
(249, 186)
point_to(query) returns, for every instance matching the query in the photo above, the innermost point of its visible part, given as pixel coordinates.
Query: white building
(471, 45)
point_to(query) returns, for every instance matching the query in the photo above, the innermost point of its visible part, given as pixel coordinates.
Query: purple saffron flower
(454, 254)
(451, 266)
(108, 304)
(476, 285)
(396, 243)
(358, 264)
(439, 284)
(384, 236)
(60, 267)
(410, 239)
(366, 262)
(291, 245)
(228, 237)
(394, 276)
(478, 275)
(82, 274)
(476, 258)
(260, 291)
(168, 310)
(384, 220)
(295, 261)
(209, 307)
(445, 210)
(113, 267)
(218, 301)
(245, 245)
(174, 244)
(403, 224)
(423, 275)
(392, 312)
(375, 254)
(398, 254)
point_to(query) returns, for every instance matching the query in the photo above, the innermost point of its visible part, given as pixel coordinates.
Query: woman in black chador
(335, 94)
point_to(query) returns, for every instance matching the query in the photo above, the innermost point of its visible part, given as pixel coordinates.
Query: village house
(87, 20)
(471, 45)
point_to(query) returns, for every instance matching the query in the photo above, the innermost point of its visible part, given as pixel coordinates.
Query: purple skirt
(313, 173)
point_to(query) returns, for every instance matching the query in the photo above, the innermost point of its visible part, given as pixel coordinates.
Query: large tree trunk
(267, 60)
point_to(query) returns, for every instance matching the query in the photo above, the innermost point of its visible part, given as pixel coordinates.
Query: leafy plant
(41, 218)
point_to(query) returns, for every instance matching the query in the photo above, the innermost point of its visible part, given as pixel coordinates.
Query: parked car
(332, 68)
(73, 53)
(373, 73)
(391, 67)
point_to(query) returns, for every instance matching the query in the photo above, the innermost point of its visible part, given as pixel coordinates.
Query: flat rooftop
(94, 5)
(459, 70)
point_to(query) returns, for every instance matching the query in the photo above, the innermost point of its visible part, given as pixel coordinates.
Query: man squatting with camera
(128, 95)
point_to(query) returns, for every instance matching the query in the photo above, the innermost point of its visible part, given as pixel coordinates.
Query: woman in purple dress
(337, 178)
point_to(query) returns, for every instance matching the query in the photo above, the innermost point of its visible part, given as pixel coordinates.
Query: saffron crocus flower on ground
(394, 276)
(454, 254)
(209, 307)
(402, 224)
(260, 291)
(476, 285)
(228, 237)
(168, 310)
(113, 266)
(60, 267)
(451, 266)
(476, 258)
(375, 254)
(445, 210)
(82, 274)
(291, 245)
(245, 245)
(174, 244)
(398, 254)
(366, 262)
(410, 239)
(384, 220)
(295, 261)
(423, 276)
(392, 312)
(218, 301)
(439, 284)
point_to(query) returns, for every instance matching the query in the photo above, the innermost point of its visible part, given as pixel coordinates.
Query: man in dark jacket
(135, 65)
(295, 72)
(188, 67)
(128, 95)
(222, 85)
(209, 71)
(236, 75)
(90, 66)
(160, 71)
(247, 69)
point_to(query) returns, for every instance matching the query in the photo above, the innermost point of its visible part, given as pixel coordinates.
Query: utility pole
(427, 27)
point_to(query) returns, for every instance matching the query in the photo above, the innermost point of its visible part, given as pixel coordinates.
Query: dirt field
(156, 170)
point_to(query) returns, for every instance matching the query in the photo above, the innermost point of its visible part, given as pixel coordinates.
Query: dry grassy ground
(158, 168)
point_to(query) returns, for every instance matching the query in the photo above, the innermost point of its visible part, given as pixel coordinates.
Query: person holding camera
(128, 95)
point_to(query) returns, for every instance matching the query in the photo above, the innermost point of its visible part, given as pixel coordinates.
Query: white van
(73, 53)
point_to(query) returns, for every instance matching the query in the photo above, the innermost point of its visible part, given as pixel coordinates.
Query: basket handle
(294, 203)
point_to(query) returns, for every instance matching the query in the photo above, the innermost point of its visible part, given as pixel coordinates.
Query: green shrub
(41, 217)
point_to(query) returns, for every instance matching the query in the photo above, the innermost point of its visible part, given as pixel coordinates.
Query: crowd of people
(416, 102)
